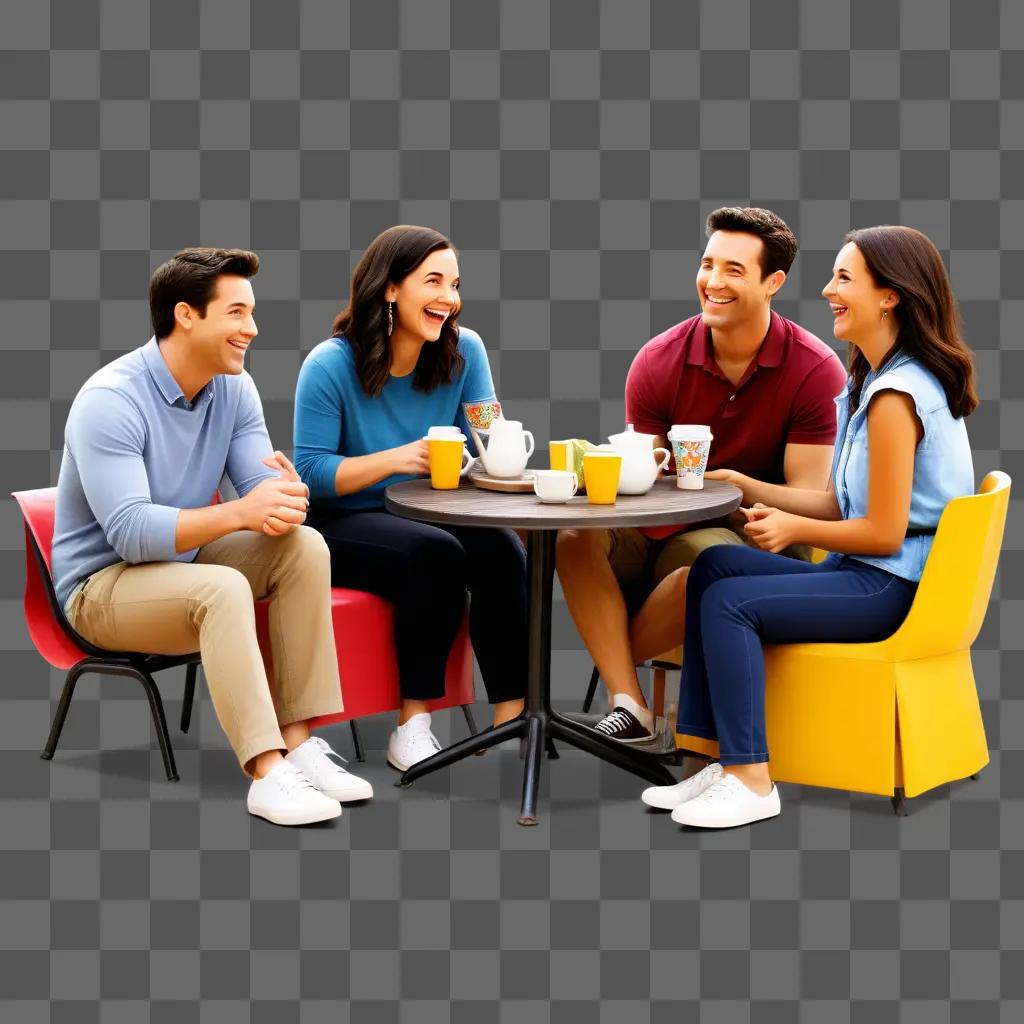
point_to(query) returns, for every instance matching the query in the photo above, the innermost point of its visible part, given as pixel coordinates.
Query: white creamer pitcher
(640, 460)
(505, 453)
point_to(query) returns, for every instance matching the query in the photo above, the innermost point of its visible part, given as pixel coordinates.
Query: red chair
(63, 648)
(368, 666)
(362, 628)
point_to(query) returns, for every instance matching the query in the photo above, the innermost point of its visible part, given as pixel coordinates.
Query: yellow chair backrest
(953, 595)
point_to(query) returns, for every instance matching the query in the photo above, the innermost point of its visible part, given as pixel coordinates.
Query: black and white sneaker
(627, 722)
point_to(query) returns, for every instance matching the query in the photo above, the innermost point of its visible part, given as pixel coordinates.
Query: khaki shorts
(641, 563)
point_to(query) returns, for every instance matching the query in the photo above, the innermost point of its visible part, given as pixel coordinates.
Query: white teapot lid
(631, 437)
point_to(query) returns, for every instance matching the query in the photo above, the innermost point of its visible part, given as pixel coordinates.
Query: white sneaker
(313, 759)
(286, 797)
(667, 798)
(411, 743)
(726, 804)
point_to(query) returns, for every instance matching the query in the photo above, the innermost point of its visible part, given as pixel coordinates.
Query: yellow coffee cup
(447, 455)
(601, 472)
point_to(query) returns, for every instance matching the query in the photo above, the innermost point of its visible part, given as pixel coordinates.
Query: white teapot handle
(666, 459)
(470, 463)
(529, 451)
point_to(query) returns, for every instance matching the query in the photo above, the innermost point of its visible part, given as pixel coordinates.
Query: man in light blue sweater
(143, 561)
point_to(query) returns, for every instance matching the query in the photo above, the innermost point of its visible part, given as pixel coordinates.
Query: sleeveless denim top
(943, 467)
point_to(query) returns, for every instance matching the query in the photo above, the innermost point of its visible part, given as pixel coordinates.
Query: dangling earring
(391, 318)
(885, 314)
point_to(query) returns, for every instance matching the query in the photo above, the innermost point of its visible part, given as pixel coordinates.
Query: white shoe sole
(350, 798)
(743, 819)
(294, 818)
(396, 764)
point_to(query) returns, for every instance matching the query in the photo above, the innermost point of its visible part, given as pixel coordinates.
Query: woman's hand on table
(411, 459)
(770, 529)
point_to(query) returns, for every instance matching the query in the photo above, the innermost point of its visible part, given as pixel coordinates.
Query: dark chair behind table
(363, 634)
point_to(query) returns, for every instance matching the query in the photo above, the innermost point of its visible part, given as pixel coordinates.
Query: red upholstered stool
(368, 665)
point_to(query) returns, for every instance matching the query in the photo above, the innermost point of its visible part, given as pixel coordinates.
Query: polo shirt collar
(164, 379)
(770, 353)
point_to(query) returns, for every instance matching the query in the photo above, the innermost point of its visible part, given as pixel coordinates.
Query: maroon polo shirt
(784, 397)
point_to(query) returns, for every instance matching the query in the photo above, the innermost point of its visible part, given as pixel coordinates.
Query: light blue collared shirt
(943, 467)
(136, 453)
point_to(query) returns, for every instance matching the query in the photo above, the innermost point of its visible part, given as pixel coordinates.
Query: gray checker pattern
(571, 149)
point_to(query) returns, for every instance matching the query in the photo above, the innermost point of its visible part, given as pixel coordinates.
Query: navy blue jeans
(738, 598)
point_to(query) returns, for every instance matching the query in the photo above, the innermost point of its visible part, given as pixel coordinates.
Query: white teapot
(640, 462)
(506, 453)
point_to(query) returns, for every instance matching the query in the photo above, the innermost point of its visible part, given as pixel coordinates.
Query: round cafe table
(664, 505)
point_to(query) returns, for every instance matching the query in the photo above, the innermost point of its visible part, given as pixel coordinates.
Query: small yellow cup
(446, 456)
(558, 452)
(601, 472)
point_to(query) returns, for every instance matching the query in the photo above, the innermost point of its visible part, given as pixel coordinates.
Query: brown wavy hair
(927, 317)
(391, 257)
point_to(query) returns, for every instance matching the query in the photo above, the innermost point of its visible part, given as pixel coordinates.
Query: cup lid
(446, 437)
(602, 453)
(690, 432)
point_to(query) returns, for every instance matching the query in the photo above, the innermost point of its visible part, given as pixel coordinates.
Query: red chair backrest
(52, 642)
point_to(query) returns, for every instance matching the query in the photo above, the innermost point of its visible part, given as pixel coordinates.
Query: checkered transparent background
(571, 149)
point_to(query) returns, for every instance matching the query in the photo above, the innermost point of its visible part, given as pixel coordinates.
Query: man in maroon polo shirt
(766, 388)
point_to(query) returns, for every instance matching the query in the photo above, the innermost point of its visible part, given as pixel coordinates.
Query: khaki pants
(640, 563)
(207, 605)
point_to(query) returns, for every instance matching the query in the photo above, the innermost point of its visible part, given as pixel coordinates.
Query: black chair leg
(70, 681)
(899, 804)
(156, 706)
(591, 690)
(467, 712)
(357, 740)
(190, 696)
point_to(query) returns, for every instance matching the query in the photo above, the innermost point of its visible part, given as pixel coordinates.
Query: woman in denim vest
(901, 454)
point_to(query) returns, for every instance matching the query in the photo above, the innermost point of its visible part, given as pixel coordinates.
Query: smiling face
(730, 287)
(856, 301)
(219, 339)
(427, 296)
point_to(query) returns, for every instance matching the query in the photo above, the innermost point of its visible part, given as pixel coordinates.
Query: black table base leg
(457, 751)
(535, 729)
(608, 750)
(539, 725)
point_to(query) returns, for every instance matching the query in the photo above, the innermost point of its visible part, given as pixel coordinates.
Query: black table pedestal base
(539, 729)
(540, 723)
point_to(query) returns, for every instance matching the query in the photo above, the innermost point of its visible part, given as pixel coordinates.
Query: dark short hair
(779, 244)
(191, 276)
(391, 257)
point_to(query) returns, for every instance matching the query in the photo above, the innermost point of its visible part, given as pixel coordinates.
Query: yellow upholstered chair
(900, 716)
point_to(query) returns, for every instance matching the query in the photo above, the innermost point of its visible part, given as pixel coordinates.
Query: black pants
(425, 571)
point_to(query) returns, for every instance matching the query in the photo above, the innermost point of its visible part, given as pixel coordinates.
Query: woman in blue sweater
(396, 365)
(901, 454)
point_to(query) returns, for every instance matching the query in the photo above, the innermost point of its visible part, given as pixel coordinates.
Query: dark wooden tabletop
(664, 505)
